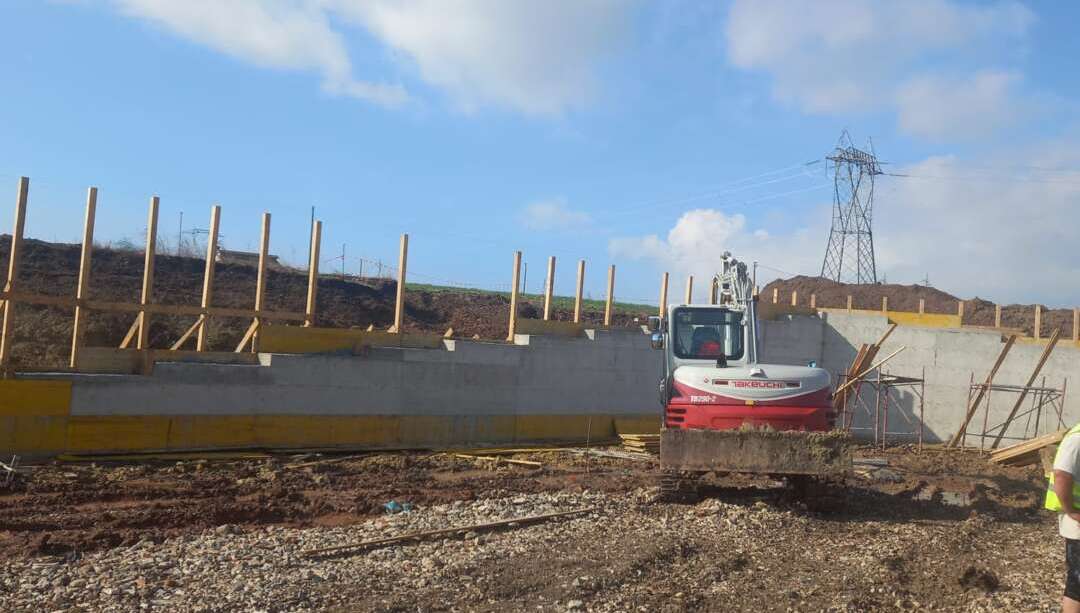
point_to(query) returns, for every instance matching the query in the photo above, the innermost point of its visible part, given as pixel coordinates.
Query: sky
(649, 135)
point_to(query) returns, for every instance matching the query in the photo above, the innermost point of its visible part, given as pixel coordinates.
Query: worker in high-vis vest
(1063, 497)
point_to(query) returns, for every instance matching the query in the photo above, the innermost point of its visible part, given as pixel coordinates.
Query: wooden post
(514, 286)
(580, 290)
(82, 289)
(997, 315)
(775, 295)
(549, 287)
(794, 297)
(1076, 325)
(690, 289)
(1038, 321)
(6, 338)
(960, 310)
(208, 275)
(313, 275)
(849, 301)
(663, 295)
(922, 306)
(884, 304)
(260, 281)
(147, 294)
(399, 305)
(610, 294)
(813, 301)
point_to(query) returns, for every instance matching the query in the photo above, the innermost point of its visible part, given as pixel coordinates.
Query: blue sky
(651, 135)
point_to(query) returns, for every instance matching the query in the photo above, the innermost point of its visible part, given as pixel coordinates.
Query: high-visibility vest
(1052, 502)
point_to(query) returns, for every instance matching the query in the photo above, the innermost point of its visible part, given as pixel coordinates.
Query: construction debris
(612, 453)
(498, 460)
(11, 471)
(520, 521)
(1026, 453)
(337, 460)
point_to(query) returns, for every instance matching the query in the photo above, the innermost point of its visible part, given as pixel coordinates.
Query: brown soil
(63, 507)
(977, 312)
(43, 334)
(923, 551)
(67, 507)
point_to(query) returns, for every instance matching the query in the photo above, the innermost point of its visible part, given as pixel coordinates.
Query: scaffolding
(1043, 399)
(886, 389)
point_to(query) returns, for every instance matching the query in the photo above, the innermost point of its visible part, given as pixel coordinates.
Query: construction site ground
(930, 530)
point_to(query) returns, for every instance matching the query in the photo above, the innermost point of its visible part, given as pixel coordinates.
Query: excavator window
(708, 334)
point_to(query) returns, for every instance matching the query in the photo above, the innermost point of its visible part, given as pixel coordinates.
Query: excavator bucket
(760, 451)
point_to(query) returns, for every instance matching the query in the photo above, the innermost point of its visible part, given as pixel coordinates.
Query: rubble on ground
(743, 546)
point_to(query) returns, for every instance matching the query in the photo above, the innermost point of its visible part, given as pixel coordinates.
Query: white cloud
(269, 33)
(553, 214)
(536, 56)
(533, 56)
(936, 107)
(701, 236)
(847, 55)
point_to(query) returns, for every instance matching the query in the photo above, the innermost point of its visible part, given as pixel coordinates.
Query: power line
(979, 178)
(728, 188)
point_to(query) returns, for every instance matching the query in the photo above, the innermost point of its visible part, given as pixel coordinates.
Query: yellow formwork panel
(637, 425)
(33, 435)
(907, 318)
(365, 430)
(293, 430)
(297, 339)
(211, 431)
(925, 320)
(50, 435)
(563, 427)
(102, 433)
(34, 397)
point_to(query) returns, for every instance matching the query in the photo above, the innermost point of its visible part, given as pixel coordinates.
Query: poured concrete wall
(461, 394)
(950, 357)
(464, 393)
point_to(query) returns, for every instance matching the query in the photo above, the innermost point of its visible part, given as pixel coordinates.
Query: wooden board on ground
(1027, 452)
(649, 443)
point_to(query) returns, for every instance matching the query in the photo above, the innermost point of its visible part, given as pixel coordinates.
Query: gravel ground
(743, 547)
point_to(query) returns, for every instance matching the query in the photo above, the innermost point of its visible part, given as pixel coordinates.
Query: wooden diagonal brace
(132, 331)
(250, 334)
(195, 327)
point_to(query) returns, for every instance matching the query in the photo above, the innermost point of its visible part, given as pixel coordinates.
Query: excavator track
(676, 486)
(819, 494)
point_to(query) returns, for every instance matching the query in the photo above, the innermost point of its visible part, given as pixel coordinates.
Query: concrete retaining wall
(464, 393)
(950, 357)
(461, 394)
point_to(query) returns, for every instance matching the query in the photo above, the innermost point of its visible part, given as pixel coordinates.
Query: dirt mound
(43, 334)
(977, 311)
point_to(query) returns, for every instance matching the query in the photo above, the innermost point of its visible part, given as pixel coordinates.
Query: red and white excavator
(726, 412)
